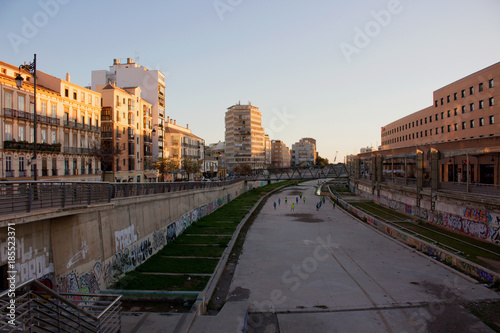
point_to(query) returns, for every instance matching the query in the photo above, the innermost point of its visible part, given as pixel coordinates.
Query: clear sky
(333, 70)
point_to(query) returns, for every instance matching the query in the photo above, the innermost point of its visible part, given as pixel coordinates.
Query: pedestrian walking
(333, 204)
(297, 200)
(300, 194)
(324, 200)
(286, 199)
(304, 198)
(275, 205)
(317, 206)
(279, 201)
(293, 206)
(320, 203)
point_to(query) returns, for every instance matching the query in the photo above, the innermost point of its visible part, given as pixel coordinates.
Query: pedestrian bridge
(312, 172)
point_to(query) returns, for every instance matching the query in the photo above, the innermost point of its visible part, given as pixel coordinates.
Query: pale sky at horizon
(283, 56)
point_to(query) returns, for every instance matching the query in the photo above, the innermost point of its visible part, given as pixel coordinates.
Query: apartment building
(218, 152)
(182, 143)
(126, 124)
(267, 150)
(152, 84)
(244, 136)
(280, 155)
(303, 152)
(68, 121)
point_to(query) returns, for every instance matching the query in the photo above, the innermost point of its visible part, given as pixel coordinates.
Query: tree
(190, 165)
(106, 153)
(166, 165)
(320, 161)
(243, 169)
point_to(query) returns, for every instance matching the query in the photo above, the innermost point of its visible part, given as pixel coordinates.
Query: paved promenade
(323, 271)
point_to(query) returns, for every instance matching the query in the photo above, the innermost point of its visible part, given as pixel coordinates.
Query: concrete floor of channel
(310, 270)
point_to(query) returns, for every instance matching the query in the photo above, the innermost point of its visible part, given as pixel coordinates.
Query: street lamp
(30, 68)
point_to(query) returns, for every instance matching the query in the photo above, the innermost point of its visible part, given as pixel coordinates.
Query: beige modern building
(152, 84)
(68, 120)
(280, 154)
(464, 109)
(267, 149)
(126, 121)
(304, 152)
(182, 143)
(244, 136)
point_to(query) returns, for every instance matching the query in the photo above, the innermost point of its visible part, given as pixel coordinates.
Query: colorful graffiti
(480, 215)
(125, 237)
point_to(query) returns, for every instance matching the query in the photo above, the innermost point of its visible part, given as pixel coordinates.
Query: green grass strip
(158, 264)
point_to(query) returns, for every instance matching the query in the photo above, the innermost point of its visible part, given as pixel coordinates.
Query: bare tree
(243, 169)
(106, 153)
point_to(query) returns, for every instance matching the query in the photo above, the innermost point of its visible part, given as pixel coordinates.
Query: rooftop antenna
(137, 57)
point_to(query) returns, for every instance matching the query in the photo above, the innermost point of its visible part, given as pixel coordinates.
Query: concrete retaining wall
(84, 250)
(446, 257)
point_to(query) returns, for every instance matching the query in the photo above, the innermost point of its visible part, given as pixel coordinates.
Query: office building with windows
(280, 154)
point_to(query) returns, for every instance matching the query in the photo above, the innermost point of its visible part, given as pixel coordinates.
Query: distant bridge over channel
(312, 172)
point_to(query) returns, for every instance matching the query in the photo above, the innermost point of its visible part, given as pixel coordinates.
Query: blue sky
(288, 58)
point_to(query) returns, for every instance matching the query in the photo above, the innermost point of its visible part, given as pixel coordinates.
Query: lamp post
(31, 68)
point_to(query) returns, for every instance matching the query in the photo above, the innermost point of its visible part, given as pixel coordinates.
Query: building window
(426, 120)
(413, 136)
(463, 125)
(449, 128)
(21, 103)
(417, 135)
(430, 119)
(442, 101)
(481, 122)
(471, 90)
(481, 104)
(437, 116)
(472, 123)
(44, 135)
(463, 108)
(8, 163)
(425, 132)
(430, 131)
(420, 121)
(53, 110)
(455, 96)
(448, 113)
(66, 92)
(421, 133)
(442, 129)
(491, 101)
(463, 93)
(74, 95)
(54, 137)
(8, 131)
(442, 114)
(492, 120)
(455, 112)
(22, 133)
(480, 87)
(436, 102)
(472, 106)
(21, 163)
(455, 126)
(82, 94)
(490, 83)
(448, 99)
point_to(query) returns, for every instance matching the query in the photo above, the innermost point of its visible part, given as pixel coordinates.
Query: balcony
(66, 172)
(106, 135)
(45, 172)
(75, 150)
(22, 173)
(23, 145)
(54, 172)
(147, 152)
(9, 173)
(13, 113)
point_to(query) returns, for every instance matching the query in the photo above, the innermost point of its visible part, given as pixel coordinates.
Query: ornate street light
(30, 68)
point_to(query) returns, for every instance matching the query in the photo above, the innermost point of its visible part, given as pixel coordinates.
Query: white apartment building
(152, 84)
(303, 152)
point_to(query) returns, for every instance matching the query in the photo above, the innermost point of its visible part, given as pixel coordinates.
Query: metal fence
(18, 197)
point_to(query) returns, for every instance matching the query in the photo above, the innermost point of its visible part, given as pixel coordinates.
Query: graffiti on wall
(30, 263)
(479, 215)
(80, 255)
(125, 237)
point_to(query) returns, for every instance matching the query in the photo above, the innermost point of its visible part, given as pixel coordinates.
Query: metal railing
(28, 196)
(39, 308)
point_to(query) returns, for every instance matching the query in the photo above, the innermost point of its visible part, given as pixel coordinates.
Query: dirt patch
(486, 311)
(176, 305)
(305, 217)
(239, 294)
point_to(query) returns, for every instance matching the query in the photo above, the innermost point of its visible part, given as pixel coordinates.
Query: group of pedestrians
(301, 197)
